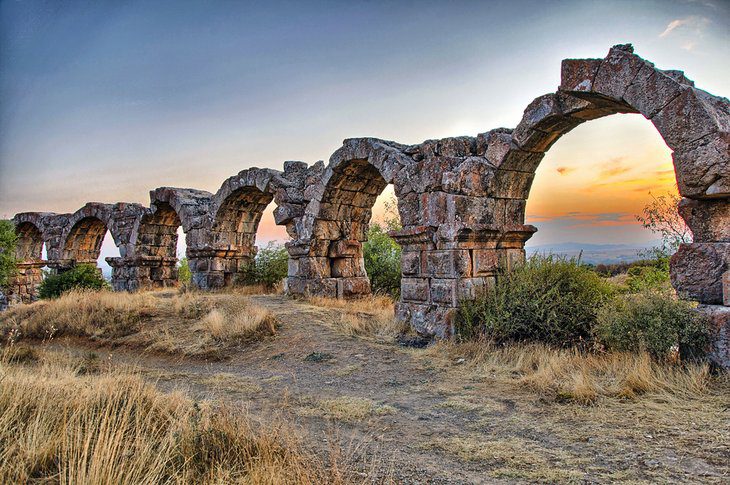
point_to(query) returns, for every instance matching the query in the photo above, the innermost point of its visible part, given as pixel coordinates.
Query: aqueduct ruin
(461, 202)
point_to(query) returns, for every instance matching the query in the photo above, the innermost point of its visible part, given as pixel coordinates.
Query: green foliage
(382, 261)
(268, 268)
(8, 240)
(654, 321)
(654, 275)
(546, 299)
(184, 275)
(82, 276)
(382, 254)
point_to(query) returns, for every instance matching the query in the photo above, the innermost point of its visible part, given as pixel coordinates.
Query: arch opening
(591, 186)
(341, 227)
(157, 262)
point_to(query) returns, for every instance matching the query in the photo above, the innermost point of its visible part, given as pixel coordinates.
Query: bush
(8, 240)
(85, 276)
(382, 261)
(269, 267)
(653, 274)
(654, 321)
(546, 299)
(184, 275)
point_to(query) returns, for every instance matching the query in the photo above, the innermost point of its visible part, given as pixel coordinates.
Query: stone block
(353, 287)
(578, 74)
(447, 263)
(697, 269)
(443, 291)
(486, 261)
(347, 267)
(414, 289)
(708, 219)
(411, 262)
(719, 320)
(726, 288)
(703, 167)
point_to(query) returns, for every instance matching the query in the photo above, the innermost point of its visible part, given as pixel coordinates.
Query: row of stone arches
(461, 202)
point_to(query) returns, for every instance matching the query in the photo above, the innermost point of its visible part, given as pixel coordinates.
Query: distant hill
(594, 253)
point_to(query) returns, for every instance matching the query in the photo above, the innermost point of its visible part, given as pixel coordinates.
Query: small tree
(382, 254)
(661, 216)
(184, 275)
(8, 241)
(268, 268)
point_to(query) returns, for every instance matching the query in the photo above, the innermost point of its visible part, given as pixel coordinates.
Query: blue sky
(104, 101)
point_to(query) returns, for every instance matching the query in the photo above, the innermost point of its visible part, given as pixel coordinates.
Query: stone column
(216, 268)
(701, 270)
(143, 273)
(23, 285)
(443, 267)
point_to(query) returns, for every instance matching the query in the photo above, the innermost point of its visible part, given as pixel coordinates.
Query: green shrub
(653, 274)
(269, 267)
(8, 240)
(546, 299)
(184, 275)
(654, 321)
(82, 276)
(382, 261)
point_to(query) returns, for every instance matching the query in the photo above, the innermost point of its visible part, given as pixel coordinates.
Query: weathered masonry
(461, 202)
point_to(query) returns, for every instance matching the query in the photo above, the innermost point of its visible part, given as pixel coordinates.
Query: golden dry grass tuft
(60, 426)
(187, 322)
(344, 408)
(571, 375)
(369, 317)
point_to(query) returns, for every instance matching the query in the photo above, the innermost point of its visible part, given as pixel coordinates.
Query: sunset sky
(103, 101)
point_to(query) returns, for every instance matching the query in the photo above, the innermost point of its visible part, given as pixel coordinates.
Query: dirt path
(401, 414)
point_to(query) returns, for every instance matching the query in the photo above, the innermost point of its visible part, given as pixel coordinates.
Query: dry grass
(62, 427)
(188, 323)
(570, 375)
(238, 320)
(369, 317)
(345, 408)
(513, 458)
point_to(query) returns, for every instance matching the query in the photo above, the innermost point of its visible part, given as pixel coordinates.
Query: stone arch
(30, 228)
(236, 211)
(692, 122)
(84, 233)
(327, 257)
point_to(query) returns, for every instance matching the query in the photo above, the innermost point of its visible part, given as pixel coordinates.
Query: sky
(103, 101)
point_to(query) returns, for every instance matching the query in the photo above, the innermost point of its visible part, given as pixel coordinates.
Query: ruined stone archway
(693, 123)
(326, 257)
(151, 261)
(23, 284)
(235, 216)
(461, 201)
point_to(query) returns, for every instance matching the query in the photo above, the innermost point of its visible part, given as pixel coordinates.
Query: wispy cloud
(575, 220)
(693, 27)
(565, 170)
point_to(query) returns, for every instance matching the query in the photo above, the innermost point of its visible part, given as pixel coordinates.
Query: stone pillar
(701, 270)
(143, 273)
(332, 269)
(23, 285)
(216, 268)
(446, 266)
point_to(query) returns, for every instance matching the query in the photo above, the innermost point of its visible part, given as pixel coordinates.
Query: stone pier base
(216, 268)
(143, 273)
(23, 285)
